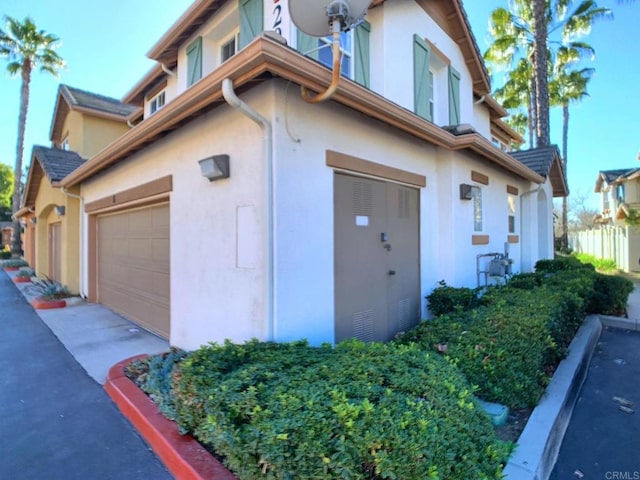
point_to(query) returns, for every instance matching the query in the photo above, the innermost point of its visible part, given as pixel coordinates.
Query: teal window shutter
(194, 61)
(251, 20)
(362, 53)
(306, 43)
(421, 88)
(454, 96)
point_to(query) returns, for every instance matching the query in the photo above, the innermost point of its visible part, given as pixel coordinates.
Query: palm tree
(514, 39)
(541, 79)
(26, 49)
(567, 87)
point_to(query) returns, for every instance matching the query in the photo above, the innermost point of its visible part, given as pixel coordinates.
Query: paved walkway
(602, 441)
(56, 422)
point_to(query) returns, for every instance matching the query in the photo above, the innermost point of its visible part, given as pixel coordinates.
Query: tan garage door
(133, 265)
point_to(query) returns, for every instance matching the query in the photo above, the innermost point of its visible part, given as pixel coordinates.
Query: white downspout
(235, 102)
(81, 239)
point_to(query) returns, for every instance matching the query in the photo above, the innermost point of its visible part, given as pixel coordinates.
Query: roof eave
(267, 56)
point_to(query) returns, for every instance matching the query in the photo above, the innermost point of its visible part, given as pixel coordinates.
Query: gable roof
(70, 98)
(52, 163)
(615, 176)
(545, 161)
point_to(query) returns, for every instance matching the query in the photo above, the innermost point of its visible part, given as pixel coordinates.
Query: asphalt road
(55, 421)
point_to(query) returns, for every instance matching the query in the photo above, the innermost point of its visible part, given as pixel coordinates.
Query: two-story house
(619, 194)
(236, 209)
(83, 123)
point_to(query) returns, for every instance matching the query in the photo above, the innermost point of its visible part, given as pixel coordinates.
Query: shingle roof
(93, 101)
(57, 163)
(545, 161)
(540, 160)
(611, 176)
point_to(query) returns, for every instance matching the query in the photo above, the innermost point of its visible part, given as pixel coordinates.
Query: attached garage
(132, 265)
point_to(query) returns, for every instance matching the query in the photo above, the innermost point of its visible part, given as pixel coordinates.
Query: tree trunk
(16, 243)
(540, 69)
(531, 107)
(565, 208)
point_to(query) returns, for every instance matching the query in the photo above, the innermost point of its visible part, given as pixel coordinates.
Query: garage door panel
(133, 265)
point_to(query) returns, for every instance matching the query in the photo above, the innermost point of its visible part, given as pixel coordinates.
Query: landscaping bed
(406, 409)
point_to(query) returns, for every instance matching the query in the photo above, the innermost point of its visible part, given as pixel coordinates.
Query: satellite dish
(314, 17)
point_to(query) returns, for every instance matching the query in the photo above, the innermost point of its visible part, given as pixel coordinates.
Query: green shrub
(356, 411)
(610, 294)
(525, 281)
(4, 255)
(561, 263)
(445, 299)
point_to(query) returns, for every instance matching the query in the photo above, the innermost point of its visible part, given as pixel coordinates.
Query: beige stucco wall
(47, 198)
(98, 133)
(89, 134)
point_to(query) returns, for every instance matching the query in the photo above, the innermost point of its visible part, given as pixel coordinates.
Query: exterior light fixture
(60, 210)
(215, 168)
(33, 220)
(466, 191)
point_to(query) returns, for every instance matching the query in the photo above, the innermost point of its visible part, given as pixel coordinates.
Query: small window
(157, 103)
(64, 144)
(228, 49)
(620, 193)
(325, 52)
(511, 203)
(476, 193)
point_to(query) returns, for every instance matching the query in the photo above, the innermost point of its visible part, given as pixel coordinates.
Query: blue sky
(104, 45)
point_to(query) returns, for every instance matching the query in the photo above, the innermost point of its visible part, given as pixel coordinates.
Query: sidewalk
(602, 442)
(56, 422)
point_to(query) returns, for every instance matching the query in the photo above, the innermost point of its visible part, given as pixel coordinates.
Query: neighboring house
(612, 238)
(619, 194)
(6, 229)
(83, 124)
(335, 219)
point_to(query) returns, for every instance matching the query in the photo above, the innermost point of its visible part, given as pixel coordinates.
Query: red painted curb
(21, 279)
(40, 304)
(11, 269)
(183, 456)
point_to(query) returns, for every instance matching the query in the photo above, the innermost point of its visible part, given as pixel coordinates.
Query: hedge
(356, 411)
(403, 410)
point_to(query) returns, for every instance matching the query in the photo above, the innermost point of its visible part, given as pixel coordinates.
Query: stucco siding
(212, 296)
(98, 133)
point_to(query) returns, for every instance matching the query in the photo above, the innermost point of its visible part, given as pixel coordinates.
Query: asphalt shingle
(82, 98)
(57, 163)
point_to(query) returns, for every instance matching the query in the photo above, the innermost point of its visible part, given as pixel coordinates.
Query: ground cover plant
(356, 411)
(405, 409)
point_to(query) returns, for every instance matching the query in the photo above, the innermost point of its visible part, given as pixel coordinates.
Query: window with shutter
(362, 54)
(251, 20)
(194, 62)
(422, 93)
(454, 96)
(307, 45)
